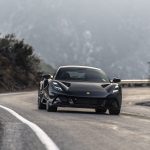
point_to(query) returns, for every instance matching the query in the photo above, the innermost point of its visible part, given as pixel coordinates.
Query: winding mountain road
(73, 129)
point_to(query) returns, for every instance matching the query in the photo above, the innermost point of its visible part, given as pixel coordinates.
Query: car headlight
(57, 87)
(116, 89)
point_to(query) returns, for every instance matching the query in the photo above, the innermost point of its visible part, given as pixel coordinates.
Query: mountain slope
(113, 35)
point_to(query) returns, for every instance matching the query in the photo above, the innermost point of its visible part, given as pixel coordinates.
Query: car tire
(114, 111)
(50, 108)
(41, 105)
(100, 110)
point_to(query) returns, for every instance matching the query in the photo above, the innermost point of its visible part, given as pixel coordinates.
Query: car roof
(74, 66)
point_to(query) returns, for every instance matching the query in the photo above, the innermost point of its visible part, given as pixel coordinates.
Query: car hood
(86, 89)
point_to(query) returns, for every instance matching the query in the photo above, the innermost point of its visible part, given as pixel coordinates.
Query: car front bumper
(83, 102)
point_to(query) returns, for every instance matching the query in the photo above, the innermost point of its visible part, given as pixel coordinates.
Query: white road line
(43, 137)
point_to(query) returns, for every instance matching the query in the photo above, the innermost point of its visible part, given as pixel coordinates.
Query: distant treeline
(19, 66)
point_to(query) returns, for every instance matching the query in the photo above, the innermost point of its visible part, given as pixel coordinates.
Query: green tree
(18, 64)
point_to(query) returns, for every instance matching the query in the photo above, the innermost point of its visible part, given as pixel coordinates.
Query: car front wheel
(114, 108)
(114, 111)
(50, 108)
(41, 105)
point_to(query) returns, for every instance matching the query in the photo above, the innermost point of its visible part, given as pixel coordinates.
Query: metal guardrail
(135, 83)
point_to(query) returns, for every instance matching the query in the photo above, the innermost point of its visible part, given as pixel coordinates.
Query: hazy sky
(111, 34)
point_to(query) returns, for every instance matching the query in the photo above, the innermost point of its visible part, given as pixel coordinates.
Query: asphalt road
(76, 129)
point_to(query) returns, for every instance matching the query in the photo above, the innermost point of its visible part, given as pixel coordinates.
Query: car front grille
(87, 101)
(81, 101)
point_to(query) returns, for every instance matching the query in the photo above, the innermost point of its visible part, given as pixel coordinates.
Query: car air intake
(104, 85)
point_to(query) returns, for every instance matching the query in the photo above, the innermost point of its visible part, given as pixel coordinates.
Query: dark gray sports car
(82, 87)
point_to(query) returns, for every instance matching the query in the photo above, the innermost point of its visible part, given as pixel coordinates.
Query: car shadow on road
(146, 103)
(80, 112)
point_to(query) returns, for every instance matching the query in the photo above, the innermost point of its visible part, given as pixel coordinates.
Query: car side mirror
(46, 76)
(116, 80)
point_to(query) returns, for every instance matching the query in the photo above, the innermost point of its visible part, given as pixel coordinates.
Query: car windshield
(81, 74)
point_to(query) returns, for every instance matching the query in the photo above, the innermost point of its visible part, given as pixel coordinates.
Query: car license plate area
(88, 101)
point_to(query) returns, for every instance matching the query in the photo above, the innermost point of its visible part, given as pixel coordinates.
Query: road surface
(76, 129)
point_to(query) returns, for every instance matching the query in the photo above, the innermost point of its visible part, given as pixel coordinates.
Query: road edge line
(42, 136)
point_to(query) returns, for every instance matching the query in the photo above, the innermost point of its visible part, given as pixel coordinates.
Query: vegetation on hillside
(19, 66)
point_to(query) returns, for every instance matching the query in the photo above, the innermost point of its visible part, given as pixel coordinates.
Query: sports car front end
(83, 95)
(82, 87)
